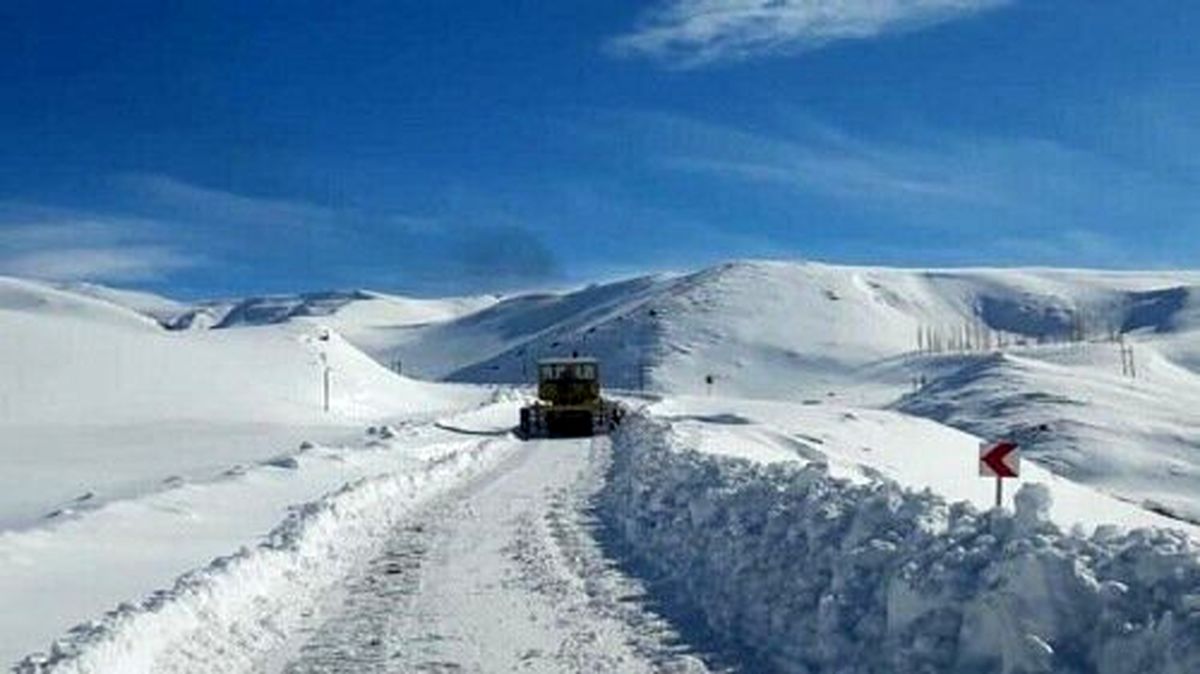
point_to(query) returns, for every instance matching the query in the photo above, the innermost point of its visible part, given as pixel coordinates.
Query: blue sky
(223, 148)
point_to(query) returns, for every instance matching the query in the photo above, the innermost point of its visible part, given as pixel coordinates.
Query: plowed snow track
(502, 574)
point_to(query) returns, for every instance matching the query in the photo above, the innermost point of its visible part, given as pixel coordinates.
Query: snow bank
(812, 573)
(230, 615)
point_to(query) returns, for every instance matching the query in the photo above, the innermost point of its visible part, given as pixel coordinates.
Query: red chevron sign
(999, 459)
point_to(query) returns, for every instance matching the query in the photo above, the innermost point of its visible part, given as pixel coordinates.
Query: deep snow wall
(814, 574)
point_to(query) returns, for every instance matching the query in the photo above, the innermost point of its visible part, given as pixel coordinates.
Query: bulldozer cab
(569, 381)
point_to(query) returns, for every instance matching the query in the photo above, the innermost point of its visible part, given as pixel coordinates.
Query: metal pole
(999, 491)
(326, 388)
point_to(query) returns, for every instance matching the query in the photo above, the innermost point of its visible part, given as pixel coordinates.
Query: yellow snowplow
(569, 404)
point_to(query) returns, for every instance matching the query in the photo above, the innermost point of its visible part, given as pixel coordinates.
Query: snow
(788, 330)
(239, 607)
(374, 324)
(472, 554)
(814, 332)
(502, 342)
(800, 476)
(157, 307)
(366, 316)
(865, 445)
(1074, 413)
(792, 566)
(81, 564)
(499, 575)
(97, 398)
(133, 453)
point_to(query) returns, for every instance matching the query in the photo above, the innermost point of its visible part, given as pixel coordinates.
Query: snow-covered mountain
(176, 429)
(761, 329)
(775, 329)
(356, 311)
(812, 332)
(864, 335)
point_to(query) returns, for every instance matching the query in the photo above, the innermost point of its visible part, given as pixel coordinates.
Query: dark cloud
(504, 254)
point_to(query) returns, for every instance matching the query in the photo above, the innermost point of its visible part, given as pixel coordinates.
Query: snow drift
(811, 573)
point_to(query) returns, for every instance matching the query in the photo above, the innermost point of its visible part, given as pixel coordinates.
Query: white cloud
(690, 33)
(64, 245)
(121, 265)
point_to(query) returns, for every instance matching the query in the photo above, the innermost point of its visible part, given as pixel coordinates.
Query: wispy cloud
(814, 157)
(691, 33)
(1020, 199)
(66, 245)
(164, 192)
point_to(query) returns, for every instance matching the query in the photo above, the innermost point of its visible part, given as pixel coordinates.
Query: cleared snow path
(502, 574)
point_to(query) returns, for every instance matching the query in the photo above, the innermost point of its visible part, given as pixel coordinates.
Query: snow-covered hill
(356, 312)
(778, 329)
(775, 330)
(869, 336)
(132, 452)
(128, 415)
(1074, 411)
(98, 400)
(159, 308)
(758, 328)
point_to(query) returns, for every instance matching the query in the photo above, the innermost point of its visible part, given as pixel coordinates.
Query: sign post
(1001, 460)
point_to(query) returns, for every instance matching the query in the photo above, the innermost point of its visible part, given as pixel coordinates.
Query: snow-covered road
(501, 574)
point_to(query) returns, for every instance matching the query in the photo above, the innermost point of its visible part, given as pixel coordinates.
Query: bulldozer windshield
(567, 372)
